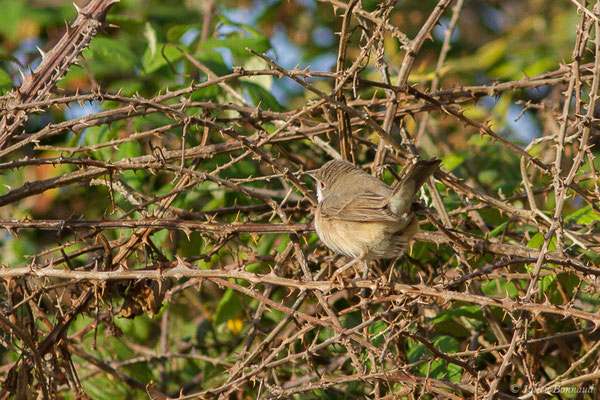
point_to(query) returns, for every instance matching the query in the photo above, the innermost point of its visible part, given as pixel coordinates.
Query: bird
(361, 217)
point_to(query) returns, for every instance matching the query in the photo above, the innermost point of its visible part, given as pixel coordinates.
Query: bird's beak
(312, 174)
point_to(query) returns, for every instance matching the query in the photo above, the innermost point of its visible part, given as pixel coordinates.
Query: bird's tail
(413, 177)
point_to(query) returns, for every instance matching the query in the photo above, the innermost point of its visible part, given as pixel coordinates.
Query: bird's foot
(336, 278)
(337, 275)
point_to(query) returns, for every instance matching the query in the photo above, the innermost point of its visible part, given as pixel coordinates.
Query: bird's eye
(322, 185)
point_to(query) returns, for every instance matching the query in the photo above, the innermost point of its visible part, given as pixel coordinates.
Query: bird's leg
(364, 310)
(338, 272)
(363, 291)
(393, 273)
(365, 276)
(365, 271)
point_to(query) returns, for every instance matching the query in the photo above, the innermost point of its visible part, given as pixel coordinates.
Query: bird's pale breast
(373, 240)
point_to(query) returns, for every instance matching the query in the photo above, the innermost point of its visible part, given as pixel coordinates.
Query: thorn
(22, 75)
(42, 53)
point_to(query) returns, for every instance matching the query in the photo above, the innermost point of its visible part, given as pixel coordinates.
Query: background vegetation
(158, 236)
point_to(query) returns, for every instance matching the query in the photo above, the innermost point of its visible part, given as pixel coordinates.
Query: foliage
(158, 232)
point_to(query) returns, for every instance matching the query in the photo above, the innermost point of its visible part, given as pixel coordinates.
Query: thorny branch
(185, 219)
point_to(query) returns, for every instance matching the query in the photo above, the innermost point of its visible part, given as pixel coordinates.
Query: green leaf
(260, 97)
(464, 311)
(128, 87)
(584, 216)
(164, 55)
(96, 134)
(14, 250)
(109, 56)
(498, 229)
(540, 66)
(491, 52)
(499, 287)
(476, 112)
(537, 241)
(505, 70)
(454, 373)
(324, 395)
(11, 15)
(375, 329)
(6, 83)
(128, 150)
(222, 18)
(441, 369)
(416, 352)
(545, 282)
(452, 326)
(352, 319)
(265, 243)
(5, 56)
(101, 389)
(489, 176)
(228, 308)
(453, 160)
(213, 61)
(237, 45)
(175, 33)
(447, 344)
(124, 21)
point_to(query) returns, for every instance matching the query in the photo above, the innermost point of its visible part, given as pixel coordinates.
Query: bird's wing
(362, 207)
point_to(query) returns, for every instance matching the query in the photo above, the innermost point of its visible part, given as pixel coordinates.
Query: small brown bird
(360, 216)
